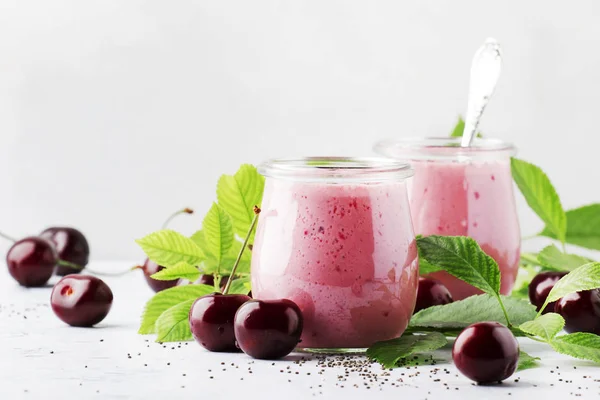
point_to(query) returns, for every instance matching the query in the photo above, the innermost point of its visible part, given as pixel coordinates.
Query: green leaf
(218, 236)
(585, 346)
(459, 128)
(426, 268)
(166, 299)
(210, 265)
(238, 194)
(540, 195)
(244, 266)
(586, 277)
(546, 326)
(179, 270)
(529, 259)
(462, 257)
(173, 325)
(463, 313)
(526, 361)
(552, 258)
(583, 227)
(199, 239)
(388, 353)
(240, 286)
(167, 248)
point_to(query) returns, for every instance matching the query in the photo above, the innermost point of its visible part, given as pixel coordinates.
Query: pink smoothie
(345, 253)
(469, 198)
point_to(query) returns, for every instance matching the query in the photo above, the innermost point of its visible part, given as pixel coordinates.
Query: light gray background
(115, 113)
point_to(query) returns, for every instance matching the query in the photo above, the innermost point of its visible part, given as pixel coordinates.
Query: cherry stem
(239, 257)
(114, 273)
(69, 264)
(9, 238)
(184, 211)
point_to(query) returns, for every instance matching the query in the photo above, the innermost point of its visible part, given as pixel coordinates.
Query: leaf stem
(239, 257)
(530, 258)
(508, 324)
(184, 211)
(9, 238)
(536, 339)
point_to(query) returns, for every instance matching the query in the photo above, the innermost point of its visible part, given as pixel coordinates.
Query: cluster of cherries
(78, 300)
(488, 352)
(485, 352)
(263, 329)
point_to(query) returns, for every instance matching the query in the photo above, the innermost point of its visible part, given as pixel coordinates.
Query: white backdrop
(115, 113)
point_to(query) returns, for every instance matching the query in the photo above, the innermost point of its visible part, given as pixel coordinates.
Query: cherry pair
(264, 329)
(32, 261)
(581, 310)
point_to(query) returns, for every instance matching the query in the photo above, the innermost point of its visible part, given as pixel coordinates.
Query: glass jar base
(331, 350)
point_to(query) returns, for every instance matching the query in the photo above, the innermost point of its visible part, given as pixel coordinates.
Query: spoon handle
(485, 71)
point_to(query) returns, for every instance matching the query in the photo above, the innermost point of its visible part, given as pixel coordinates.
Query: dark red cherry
(486, 352)
(540, 287)
(31, 261)
(431, 293)
(81, 300)
(581, 311)
(268, 329)
(71, 246)
(211, 320)
(150, 268)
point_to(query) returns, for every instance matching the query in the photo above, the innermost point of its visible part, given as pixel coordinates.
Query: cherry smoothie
(464, 192)
(335, 236)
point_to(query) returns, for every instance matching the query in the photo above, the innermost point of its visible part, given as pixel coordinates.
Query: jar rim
(444, 148)
(336, 169)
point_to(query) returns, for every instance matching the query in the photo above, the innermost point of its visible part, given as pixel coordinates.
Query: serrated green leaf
(463, 313)
(554, 259)
(218, 237)
(166, 299)
(226, 265)
(586, 277)
(240, 286)
(526, 361)
(173, 324)
(199, 239)
(585, 346)
(583, 227)
(389, 352)
(462, 257)
(180, 270)
(167, 248)
(546, 326)
(540, 195)
(426, 268)
(238, 194)
(244, 266)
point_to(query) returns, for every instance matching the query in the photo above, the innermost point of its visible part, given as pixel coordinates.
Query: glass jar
(467, 192)
(335, 236)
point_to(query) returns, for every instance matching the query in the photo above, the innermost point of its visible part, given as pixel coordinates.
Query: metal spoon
(485, 71)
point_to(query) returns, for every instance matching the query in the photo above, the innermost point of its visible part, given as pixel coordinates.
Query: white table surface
(41, 357)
